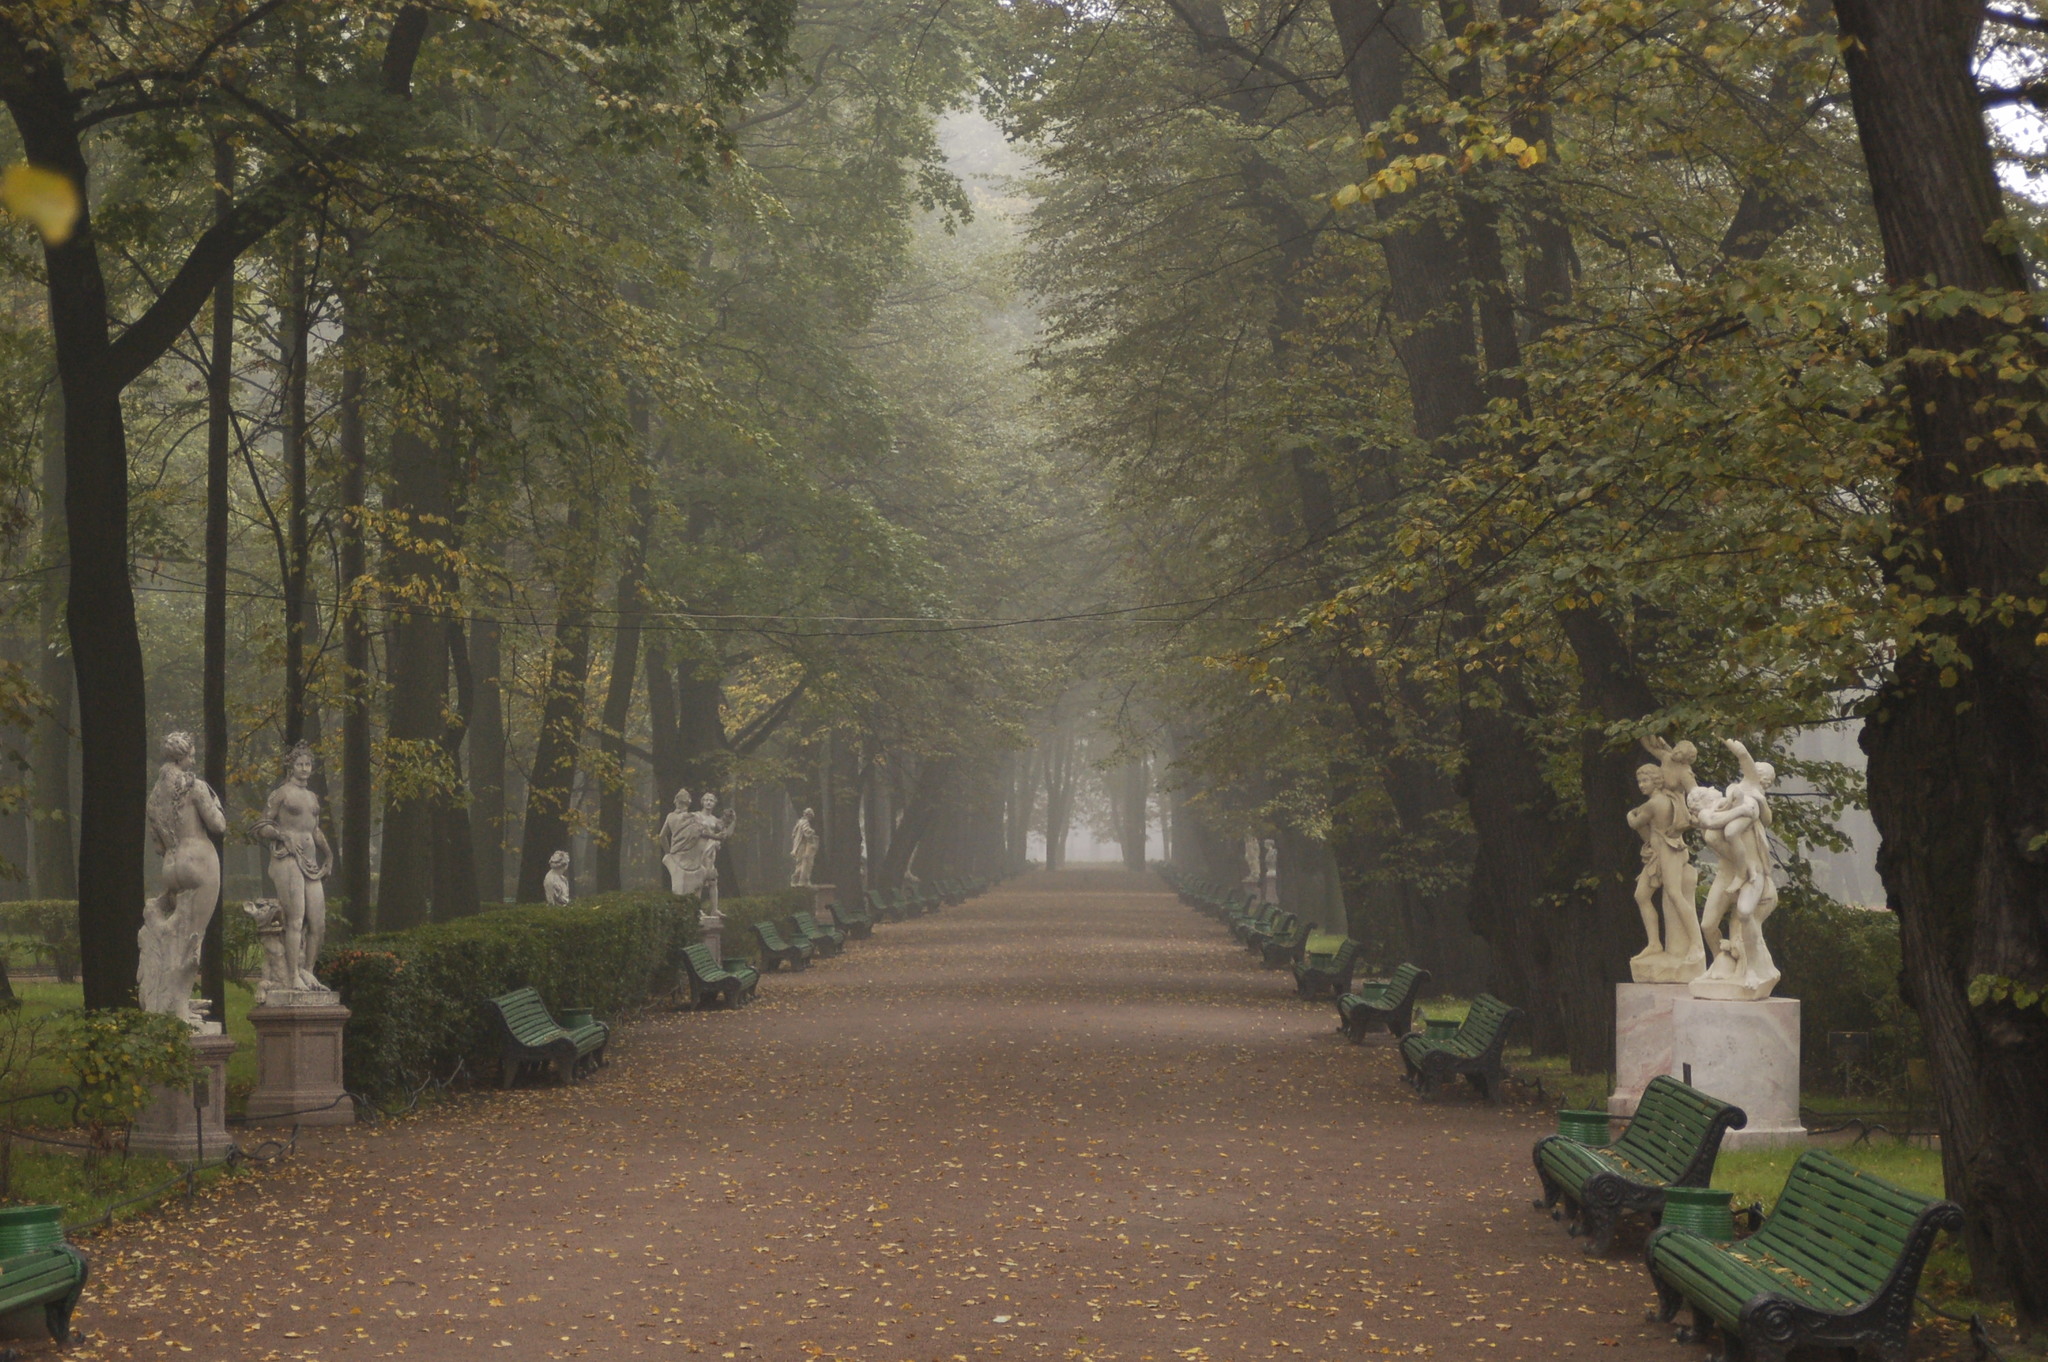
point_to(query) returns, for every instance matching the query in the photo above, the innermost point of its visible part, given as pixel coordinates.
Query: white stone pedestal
(298, 1065)
(1642, 1040)
(171, 1127)
(1746, 1053)
(824, 899)
(711, 931)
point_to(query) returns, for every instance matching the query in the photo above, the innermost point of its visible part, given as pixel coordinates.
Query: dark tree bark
(293, 326)
(548, 793)
(421, 504)
(487, 761)
(353, 871)
(664, 728)
(220, 374)
(1133, 806)
(839, 810)
(56, 856)
(1956, 755)
(455, 885)
(609, 844)
(935, 779)
(700, 721)
(1058, 765)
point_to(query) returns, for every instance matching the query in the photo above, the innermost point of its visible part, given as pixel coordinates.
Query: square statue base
(1746, 1053)
(1642, 1040)
(824, 898)
(171, 1128)
(298, 1065)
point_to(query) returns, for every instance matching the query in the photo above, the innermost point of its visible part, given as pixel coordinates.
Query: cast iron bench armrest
(531, 1035)
(1672, 1141)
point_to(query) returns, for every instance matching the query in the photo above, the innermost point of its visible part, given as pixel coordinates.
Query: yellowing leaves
(44, 197)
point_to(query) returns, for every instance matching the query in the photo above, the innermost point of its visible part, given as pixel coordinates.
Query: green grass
(42, 999)
(87, 1194)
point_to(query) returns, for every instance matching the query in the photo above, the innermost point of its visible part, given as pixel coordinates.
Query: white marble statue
(556, 881)
(268, 916)
(691, 842)
(1270, 889)
(1665, 886)
(1736, 826)
(300, 861)
(803, 850)
(184, 817)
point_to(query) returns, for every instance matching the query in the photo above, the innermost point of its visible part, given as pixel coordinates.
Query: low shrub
(1842, 964)
(417, 995)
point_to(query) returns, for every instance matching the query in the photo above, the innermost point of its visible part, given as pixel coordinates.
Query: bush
(115, 1057)
(417, 996)
(1842, 964)
(48, 928)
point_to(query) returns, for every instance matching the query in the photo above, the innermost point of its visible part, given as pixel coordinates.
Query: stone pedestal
(1746, 1053)
(298, 1061)
(711, 931)
(824, 899)
(1642, 1040)
(174, 1125)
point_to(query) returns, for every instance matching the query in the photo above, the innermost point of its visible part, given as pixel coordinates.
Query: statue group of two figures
(1718, 951)
(690, 840)
(185, 815)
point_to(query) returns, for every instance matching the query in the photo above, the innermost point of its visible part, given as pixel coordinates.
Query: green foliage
(115, 1056)
(1842, 964)
(417, 996)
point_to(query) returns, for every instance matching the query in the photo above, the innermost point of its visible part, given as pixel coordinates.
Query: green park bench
(881, 908)
(1835, 1265)
(732, 982)
(829, 940)
(1278, 952)
(1474, 1052)
(51, 1277)
(1245, 925)
(776, 952)
(531, 1036)
(1671, 1141)
(855, 922)
(1391, 1004)
(1316, 974)
(1278, 925)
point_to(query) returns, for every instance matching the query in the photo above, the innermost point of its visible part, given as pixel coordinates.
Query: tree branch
(754, 734)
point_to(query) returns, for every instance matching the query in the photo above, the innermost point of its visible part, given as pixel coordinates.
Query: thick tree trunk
(1134, 810)
(1956, 752)
(417, 662)
(292, 345)
(357, 799)
(934, 785)
(487, 760)
(55, 855)
(455, 886)
(839, 810)
(609, 844)
(1059, 797)
(548, 792)
(220, 375)
(700, 722)
(664, 728)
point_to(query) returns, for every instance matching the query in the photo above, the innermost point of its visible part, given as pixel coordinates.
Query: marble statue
(1736, 826)
(300, 861)
(1252, 873)
(691, 842)
(803, 850)
(1665, 886)
(184, 817)
(1270, 890)
(556, 882)
(268, 917)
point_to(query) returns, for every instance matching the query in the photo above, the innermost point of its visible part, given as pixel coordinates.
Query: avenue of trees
(1496, 384)
(1384, 412)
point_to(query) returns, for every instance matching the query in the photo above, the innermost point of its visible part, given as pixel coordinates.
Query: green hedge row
(417, 995)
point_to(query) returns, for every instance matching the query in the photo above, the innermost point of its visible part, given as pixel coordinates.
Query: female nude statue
(184, 818)
(300, 861)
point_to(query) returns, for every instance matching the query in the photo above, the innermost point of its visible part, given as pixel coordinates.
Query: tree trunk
(1956, 752)
(618, 699)
(455, 887)
(417, 663)
(220, 376)
(839, 810)
(1134, 810)
(1059, 797)
(292, 345)
(664, 727)
(934, 785)
(56, 858)
(487, 760)
(357, 794)
(548, 792)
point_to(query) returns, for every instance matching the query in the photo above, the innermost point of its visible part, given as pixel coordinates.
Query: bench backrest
(809, 923)
(707, 969)
(1407, 978)
(526, 1016)
(1281, 925)
(1345, 958)
(1850, 1230)
(771, 938)
(1675, 1129)
(1483, 1026)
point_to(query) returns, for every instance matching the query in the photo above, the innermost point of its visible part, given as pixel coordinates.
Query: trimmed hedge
(417, 995)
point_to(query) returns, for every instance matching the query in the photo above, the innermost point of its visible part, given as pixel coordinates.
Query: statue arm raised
(1744, 760)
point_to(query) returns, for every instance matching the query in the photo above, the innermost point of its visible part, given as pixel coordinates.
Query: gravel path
(1069, 1120)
